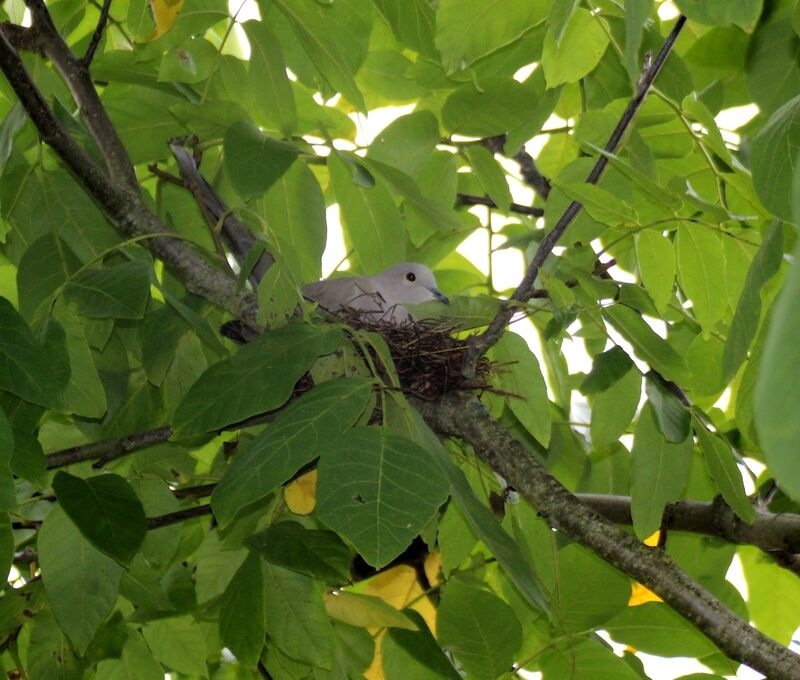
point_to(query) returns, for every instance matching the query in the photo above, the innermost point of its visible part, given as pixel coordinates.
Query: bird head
(409, 283)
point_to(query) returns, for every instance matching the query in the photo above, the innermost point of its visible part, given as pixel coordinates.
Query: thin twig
(86, 60)
(469, 199)
(481, 343)
(178, 516)
(104, 451)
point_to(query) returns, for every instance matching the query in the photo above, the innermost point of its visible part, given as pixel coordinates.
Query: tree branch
(104, 451)
(178, 516)
(479, 344)
(465, 417)
(86, 60)
(527, 166)
(469, 199)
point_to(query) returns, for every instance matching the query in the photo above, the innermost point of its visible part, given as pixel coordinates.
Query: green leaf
(259, 377)
(407, 142)
(745, 13)
(253, 160)
(485, 652)
(601, 205)
(373, 222)
(561, 12)
(701, 269)
(579, 51)
(646, 343)
(519, 374)
(607, 368)
(117, 292)
(584, 659)
(748, 312)
(242, 617)
(659, 473)
(271, 90)
(294, 438)
(191, 62)
(378, 491)
(320, 554)
(671, 415)
(497, 106)
(614, 408)
(178, 643)
(413, 23)
(637, 12)
(81, 582)
(773, 156)
(722, 469)
(334, 36)
(490, 174)
(45, 266)
(415, 654)
(366, 611)
(136, 661)
(467, 30)
(296, 618)
(8, 494)
(655, 256)
(45, 637)
(106, 510)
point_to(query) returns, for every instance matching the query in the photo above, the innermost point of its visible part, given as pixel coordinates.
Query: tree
(355, 525)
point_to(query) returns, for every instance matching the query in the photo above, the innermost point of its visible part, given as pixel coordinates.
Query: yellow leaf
(375, 670)
(365, 611)
(301, 494)
(433, 568)
(640, 595)
(399, 587)
(652, 539)
(165, 14)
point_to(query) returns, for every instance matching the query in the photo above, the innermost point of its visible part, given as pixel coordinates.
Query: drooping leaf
(366, 611)
(701, 268)
(242, 616)
(655, 256)
(583, 43)
(671, 415)
(178, 643)
(117, 292)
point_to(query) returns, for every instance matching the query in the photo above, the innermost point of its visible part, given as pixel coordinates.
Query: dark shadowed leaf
(242, 617)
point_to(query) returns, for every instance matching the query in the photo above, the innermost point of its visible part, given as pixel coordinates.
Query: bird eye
(411, 277)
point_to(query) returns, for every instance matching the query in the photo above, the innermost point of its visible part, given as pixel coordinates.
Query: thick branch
(481, 343)
(463, 416)
(104, 451)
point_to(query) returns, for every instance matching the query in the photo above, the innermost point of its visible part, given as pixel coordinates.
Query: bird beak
(437, 294)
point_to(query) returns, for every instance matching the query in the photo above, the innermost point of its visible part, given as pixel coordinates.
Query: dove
(379, 297)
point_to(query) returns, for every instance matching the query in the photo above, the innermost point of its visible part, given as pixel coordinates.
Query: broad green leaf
(242, 617)
(519, 374)
(744, 13)
(117, 292)
(46, 265)
(490, 174)
(701, 269)
(8, 495)
(270, 87)
(671, 415)
(647, 345)
(106, 510)
(45, 637)
(254, 160)
(295, 211)
(27, 368)
(607, 368)
(561, 12)
(659, 473)
(407, 142)
(334, 36)
(413, 23)
(773, 157)
(192, 62)
(141, 585)
(320, 554)
(136, 661)
(498, 105)
(748, 312)
(602, 205)
(467, 30)
(365, 611)
(296, 619)
(415, 654)
(372, 220)
(81, 582)
(378, 490)
(584, 659)
(614, 408)
(178, 643)
(722, 469)
(655, 256)
(580, 50)
(259, 377)
(294, 438)
(485, 652)
(697, 110)
(637, 12)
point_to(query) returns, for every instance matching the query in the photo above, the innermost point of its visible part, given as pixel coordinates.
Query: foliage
(320, 509)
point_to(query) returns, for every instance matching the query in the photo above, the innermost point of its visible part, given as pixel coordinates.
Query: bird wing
(354, 292)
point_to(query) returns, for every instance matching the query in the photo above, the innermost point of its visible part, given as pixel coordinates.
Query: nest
(427, 356)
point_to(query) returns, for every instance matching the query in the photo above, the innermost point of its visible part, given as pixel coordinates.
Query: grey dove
(379, 297)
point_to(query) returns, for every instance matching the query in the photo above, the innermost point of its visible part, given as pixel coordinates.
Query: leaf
(117, 292)
(519, 374)
(586, 658)
(296, 619)
(45, 266)
(316, 553)
(467, 30)
(271, 92)
(136, 661)
(413, 23)
(255, 161)
(748, 312)
(601, 205)
(561, 12)
(655, 256)
(722, 469)
(242, 617)
(745, 13)
(373, 222)
(637, 12)
(614, 408)
(490, 174)
(178, 643)
(295, 437)
(671, 415)
(365, 611)
(8, 494)
(579, 51)
(259, 377)
(484, 651)
(659, 473)
(334, 36)
(81, 583)
(415, 654)
(407, 142)
(106, 510)
(607, 368)
(701, 269)
(378, 490)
